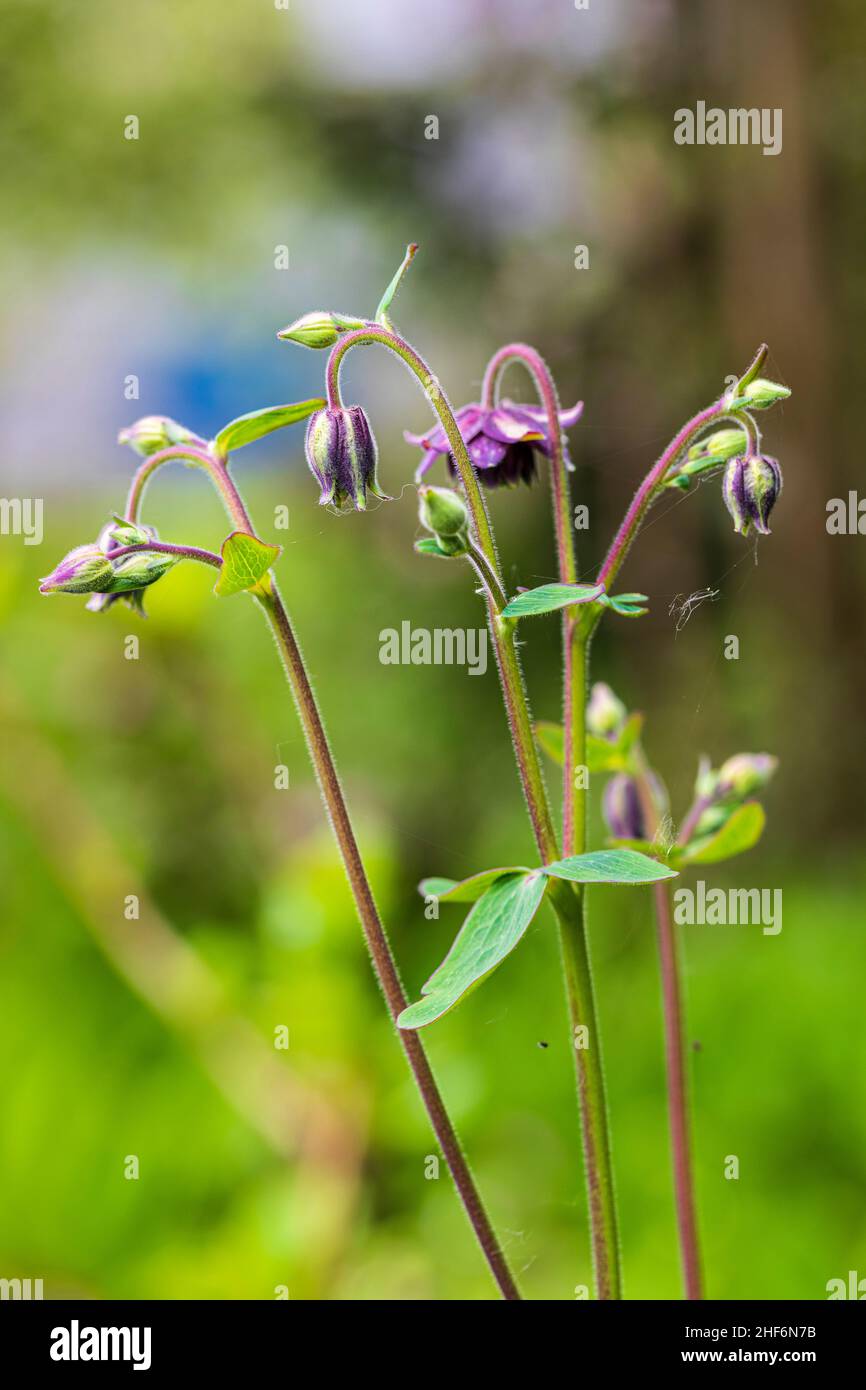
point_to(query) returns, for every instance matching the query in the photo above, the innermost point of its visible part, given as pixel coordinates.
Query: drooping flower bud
(83, 571)
(154, 432)
(744, 774)
(622, 809)
(443, 512)
(605, 713)
(341, 452)
(319, 329)
(750, 488)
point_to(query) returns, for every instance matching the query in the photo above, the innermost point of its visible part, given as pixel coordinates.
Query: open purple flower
(502, 441)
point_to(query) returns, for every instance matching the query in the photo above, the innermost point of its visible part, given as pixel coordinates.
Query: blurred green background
(154, 1037)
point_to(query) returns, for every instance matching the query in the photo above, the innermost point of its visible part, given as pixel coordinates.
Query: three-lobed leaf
(246, 561)
(247, 428)
(549, 598)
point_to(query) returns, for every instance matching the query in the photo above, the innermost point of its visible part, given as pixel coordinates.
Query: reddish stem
(677, 1098)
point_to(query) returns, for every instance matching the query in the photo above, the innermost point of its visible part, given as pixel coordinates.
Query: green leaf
(466, 890)
(387, 299)
(246, 428)
(609, 866)
(429, 545)
(550, 597)
(602, 754)
(740, 831)
(550, 739)
(627, 605)
(494, 926)
(246, 560)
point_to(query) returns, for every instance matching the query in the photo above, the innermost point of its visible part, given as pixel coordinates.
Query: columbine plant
(489, 443)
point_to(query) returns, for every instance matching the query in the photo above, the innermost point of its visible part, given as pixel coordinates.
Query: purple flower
(750, 489)
(502, 441)
(341, 453)
(622, 809)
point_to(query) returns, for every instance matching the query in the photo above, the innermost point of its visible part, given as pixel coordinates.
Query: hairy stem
(184, 552)
(501, 629)
(674, 1035)
(384, 965)
(631, 522)
(571, 910)
(678, 1118)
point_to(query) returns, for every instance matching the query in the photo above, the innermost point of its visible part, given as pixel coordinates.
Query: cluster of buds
(721, 790)
(90, 569)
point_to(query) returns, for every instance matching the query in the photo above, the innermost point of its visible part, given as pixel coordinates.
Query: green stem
(502, 629)
(565, 899)
(673, 1016)
(571, 907)
(384, 965)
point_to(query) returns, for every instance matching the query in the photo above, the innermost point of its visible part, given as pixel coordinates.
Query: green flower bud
(605, 713)
(718, 447)
(761, 394)
(442, 511)
(319, 329)
(137, 571)
(154, 432)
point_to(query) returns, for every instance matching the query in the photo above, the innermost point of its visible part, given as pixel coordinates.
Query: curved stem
(185, 552)
(489, 579)
(565, 899)
(384, 965)
(374, 333)
(630, 525)
(574, 944)
(502, 629)
(188, 453)
(566, 554)
(677, 1092)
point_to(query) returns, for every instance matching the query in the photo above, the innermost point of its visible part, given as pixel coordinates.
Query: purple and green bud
(622, 808)
(90, 569)
(605, 713)
(743, 775)
(319, 329)
(342, 456)
(85, 570)
(750, 488)
(154, 432)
